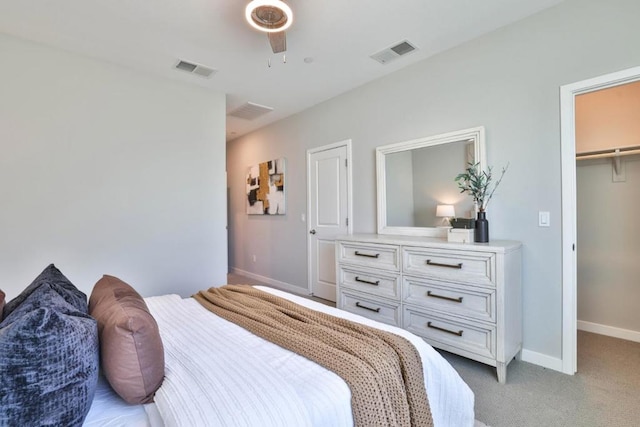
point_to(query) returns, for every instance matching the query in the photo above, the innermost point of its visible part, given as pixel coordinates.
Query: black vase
(481, 234)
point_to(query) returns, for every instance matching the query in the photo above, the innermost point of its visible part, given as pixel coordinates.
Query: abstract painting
(265, 188)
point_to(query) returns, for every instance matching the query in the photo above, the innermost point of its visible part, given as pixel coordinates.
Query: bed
(218, 374)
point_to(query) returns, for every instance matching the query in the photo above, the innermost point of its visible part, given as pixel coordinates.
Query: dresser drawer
(451, 334)
(371, 255)
(384, 311)
(477, 268)
(461, 300)
(371, 281)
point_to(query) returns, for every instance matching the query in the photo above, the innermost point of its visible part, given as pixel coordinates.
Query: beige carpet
(604, 392)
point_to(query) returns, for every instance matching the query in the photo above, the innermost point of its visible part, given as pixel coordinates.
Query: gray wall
(608, 244)
(105, 170)
(507, 81)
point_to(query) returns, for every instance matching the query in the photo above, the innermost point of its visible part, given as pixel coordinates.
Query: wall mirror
(414, 177)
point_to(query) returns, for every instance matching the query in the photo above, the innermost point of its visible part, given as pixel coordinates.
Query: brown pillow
(131, 350)
(2, 295)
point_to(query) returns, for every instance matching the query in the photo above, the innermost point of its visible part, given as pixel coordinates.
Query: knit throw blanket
(383, 370)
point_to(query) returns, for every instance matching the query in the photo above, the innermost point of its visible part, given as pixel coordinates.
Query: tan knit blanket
(383, 370)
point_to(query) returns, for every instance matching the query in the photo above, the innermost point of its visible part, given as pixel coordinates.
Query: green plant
(478, 184)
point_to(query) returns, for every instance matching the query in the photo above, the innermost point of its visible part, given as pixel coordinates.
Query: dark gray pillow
(2, 295)
(58, 282)
(49, 359)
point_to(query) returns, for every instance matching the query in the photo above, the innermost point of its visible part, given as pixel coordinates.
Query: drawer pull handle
(459, 333)
(438, 264)
(367, 255)
(429, 294)
(376, 283)
(377, 310)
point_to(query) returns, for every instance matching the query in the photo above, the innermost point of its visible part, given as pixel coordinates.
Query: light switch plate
(544, 219)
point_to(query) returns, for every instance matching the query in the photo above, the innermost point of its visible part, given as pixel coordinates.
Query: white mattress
(219, 374)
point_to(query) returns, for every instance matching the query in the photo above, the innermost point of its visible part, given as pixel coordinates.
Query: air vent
(193, 68)
(250, 111)
(394, 52)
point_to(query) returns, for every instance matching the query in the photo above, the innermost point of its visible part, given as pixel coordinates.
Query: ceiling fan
(272, 17)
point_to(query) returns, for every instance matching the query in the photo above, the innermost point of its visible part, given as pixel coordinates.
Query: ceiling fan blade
(278, 41)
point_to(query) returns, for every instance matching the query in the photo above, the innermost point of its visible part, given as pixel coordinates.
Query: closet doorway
(575, 202)
(608, 202)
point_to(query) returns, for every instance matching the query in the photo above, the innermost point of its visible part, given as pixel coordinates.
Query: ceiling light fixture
(270, 16)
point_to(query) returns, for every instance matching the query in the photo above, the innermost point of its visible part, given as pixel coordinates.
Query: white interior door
(329, 210)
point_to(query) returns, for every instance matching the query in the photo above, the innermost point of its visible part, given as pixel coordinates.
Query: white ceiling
(152, 35)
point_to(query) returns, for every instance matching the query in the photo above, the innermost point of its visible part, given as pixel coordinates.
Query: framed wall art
(265, 188)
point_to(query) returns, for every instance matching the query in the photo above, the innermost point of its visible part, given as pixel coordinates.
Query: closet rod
(626, 151)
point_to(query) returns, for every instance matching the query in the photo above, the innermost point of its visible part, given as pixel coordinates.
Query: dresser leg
(502, 372)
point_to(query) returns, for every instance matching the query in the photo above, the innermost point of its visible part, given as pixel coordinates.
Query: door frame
(346, 143)
(568, 94)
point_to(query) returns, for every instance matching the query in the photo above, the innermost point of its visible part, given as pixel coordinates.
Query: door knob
(312, 232)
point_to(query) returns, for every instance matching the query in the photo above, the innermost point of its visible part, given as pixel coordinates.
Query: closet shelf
(614, 154)
(617, 152)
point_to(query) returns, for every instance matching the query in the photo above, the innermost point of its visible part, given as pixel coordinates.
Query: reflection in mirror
(419, 180)
(416, 176)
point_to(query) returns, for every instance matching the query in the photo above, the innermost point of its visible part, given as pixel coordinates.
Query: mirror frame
(475, 135)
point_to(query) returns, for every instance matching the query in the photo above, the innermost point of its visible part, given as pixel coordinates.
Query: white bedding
(109, 410)
(218, 374)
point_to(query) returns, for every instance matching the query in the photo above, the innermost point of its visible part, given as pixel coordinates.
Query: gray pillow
(2, 295)
(58, 282)
(49, 358)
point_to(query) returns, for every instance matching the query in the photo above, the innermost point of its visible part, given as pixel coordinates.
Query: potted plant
(481, 186)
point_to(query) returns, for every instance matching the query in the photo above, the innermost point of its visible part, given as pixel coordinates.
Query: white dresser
(462, 298)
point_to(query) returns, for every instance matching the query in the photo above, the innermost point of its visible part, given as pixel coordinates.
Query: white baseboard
(542, 360)
(611, 331)
(271, 282)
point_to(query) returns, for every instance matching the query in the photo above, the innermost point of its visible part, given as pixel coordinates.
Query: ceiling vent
(197, 69)
(250, 111)
(394, 52)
